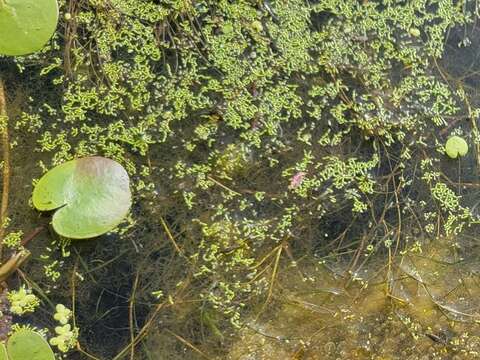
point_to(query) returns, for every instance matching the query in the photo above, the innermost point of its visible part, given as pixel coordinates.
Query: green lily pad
(3, 352)
(28, 345)
(91, 196)
(26, 25)
(456, 146)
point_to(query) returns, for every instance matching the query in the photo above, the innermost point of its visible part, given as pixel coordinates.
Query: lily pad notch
(91, 196)
(456, 147)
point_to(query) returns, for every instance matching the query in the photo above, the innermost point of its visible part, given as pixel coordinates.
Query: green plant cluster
(258, 120)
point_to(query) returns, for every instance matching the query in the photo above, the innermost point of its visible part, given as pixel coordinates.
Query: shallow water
(336, 300)
(429, 309)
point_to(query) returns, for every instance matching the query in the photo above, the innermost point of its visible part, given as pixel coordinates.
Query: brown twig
(146, 327)
(12, 264)
(171, 238)
(17, 258)
(273, 278)
(32, 235)
(70, 33)
(131, 315)
(187, 343)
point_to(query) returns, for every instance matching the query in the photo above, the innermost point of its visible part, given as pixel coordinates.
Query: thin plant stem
(6, 164)
(131, 316)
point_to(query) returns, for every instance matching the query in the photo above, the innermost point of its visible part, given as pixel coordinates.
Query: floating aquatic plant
(26, 25)
(62, 314)
(456, 146)
(26, 344)
(3, 352)
(22, 301)
(91, 196)
(66, 337)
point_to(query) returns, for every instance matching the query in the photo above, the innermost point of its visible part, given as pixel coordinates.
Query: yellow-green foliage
(225, 101)
(22, 301)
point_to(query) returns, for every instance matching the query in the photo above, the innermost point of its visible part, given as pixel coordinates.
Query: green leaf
(3, 352)
(26, 25)
(91, 195)
(456, 146)
(28, 345)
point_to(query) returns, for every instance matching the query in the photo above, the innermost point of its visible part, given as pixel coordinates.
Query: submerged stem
(6, 163)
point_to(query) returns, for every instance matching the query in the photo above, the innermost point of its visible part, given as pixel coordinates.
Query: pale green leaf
(456, 146)
(91, 195)
(28, 345)
(26, 25)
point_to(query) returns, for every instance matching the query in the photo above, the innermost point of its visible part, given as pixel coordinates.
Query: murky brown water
(429, 309)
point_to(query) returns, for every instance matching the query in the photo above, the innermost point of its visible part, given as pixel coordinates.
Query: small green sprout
(66, 338)
(257, 26)
(158, 294)
(63, 314)
(414, 32)
(13, 239)
(22, 301)
(456, 146)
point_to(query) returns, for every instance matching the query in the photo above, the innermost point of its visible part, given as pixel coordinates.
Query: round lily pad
(91, 196)
(456, 146)
(28, 345)
(26, 25)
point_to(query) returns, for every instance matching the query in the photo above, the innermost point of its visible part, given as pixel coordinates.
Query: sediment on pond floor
(426, 309)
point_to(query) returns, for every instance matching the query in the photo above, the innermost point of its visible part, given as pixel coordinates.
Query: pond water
(292, 196)
(424, 306)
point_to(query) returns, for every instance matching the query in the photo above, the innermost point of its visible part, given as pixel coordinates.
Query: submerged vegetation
(262, 139)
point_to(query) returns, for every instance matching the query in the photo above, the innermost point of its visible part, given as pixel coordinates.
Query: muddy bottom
(423, 306)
